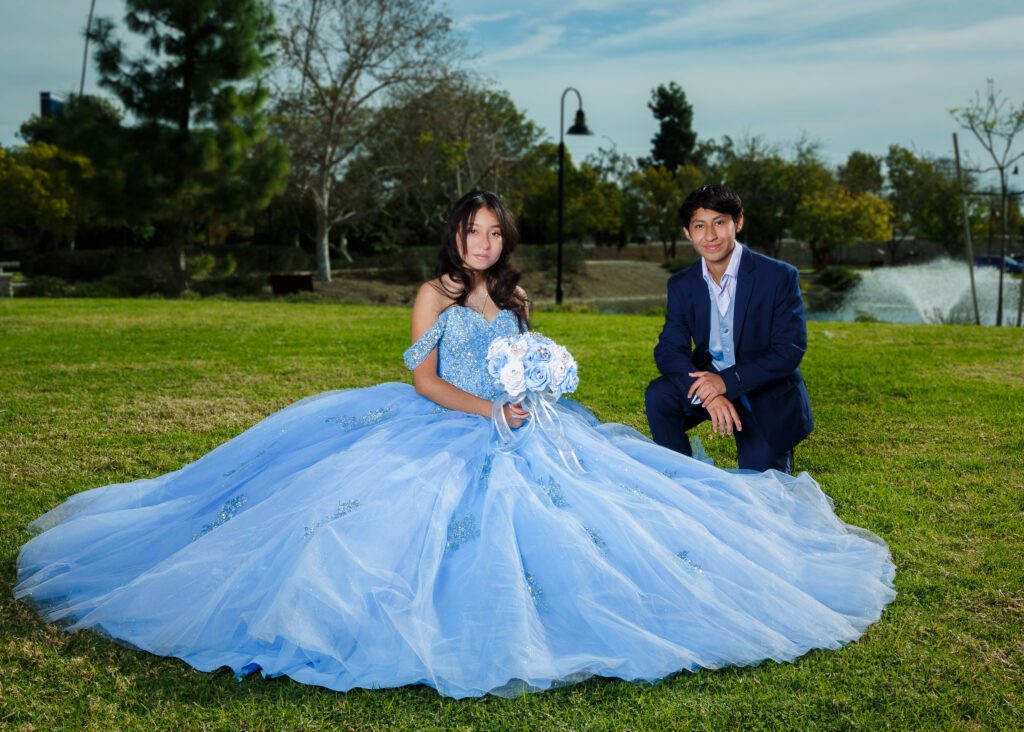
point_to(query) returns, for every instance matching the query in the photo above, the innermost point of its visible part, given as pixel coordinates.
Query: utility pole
(967, 233)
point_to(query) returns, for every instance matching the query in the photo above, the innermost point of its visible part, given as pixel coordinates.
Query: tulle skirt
(370, 538)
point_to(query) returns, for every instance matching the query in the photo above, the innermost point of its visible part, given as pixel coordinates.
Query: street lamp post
(85, 53)
(579, 127)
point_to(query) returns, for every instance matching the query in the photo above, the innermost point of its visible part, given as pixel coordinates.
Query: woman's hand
(515, 415)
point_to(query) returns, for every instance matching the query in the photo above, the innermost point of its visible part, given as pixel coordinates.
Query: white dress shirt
(722, 294)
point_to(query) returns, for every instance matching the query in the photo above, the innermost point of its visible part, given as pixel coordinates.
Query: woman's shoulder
(439, 291)
(434, 298)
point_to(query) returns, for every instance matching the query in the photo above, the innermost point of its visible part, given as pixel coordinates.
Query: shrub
(838, 279)
(45, 286)
(544, 258)
(677, 264)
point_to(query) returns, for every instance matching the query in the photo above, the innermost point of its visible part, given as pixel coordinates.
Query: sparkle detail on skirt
(225, 514)
(596, 537)
(372, 417)
(536, 591)
(344, 509)
(485, 472)
(461, 531)
(554, 492)
(685, 556)
(634, 490)
(242, 465)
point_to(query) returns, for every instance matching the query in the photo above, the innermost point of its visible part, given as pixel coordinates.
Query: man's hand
(706, 386)
(724, 418)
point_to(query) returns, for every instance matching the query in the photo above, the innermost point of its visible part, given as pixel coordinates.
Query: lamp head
(579, 127)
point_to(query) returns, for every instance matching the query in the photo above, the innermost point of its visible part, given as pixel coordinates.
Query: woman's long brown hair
(502, 278)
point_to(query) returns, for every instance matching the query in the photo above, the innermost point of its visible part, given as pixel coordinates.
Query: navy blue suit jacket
(770, 340)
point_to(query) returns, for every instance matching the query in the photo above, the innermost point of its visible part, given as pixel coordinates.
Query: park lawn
(920, 438)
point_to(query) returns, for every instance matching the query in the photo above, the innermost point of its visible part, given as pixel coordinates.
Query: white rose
(498, 345)
(513, 378)
(519, 348)
(559, 366)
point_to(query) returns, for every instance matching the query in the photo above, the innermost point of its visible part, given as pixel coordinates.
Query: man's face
(713, 234)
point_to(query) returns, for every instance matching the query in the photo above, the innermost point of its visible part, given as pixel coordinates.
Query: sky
(849, 75)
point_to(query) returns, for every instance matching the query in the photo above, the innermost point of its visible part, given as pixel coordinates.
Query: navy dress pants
(671, 415)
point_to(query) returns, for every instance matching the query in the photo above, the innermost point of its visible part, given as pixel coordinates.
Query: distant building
(50, 105)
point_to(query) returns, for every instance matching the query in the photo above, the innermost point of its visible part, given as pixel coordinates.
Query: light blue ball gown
(371, 538)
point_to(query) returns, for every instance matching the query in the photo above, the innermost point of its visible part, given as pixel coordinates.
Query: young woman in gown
(380, 537)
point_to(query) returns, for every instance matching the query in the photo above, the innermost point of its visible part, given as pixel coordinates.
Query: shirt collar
(731, 271)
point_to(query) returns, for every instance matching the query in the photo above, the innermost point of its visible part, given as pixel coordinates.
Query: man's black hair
(713, 198)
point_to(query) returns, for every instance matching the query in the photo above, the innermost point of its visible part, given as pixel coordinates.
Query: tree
(861, 173)
(617, 170)
(830, 218)
(37, 188)
(995, 122)
(593, 207)
(434, 145)
(659, 193)
(762, 177)
(121, 188)
(199, 116)
(340, 61)
(924, 198)
(675, 142)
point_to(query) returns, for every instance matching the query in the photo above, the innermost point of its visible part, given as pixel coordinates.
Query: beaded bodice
(462, 337)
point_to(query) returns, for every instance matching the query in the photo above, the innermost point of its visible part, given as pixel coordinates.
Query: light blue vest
(721, 343)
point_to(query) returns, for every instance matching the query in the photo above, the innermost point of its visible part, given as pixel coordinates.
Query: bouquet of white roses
(529, 363)
(535, 371)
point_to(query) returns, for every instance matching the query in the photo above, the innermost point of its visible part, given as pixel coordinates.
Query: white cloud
(544, 38)
(468, 22)
(723, 21)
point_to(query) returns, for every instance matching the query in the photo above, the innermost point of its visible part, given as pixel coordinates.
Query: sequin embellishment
(372, 417)
(344, 509)
(462, 337)
(685, 556)
(242, 465)
(225, 514)
(418, 351)
(485, 472)
(634, 490)
(554, 492)
(461, 531)
(596, 537)
(536, 591)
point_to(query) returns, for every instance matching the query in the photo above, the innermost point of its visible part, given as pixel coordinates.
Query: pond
(935, 292)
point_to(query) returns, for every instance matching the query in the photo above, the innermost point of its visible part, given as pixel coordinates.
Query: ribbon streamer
(543, 418)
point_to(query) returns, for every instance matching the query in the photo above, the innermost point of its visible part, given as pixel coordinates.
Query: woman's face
(482, 245)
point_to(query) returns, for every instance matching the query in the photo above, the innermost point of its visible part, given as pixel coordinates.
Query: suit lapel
(701, 309)
(744, 288)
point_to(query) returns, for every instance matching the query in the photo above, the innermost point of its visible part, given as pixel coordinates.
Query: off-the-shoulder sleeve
(418, 351)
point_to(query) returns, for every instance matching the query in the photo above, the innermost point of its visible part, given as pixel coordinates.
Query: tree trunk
(343, 247)
(1002, 248)
(323, 244)
(819, 256)
(181, 270)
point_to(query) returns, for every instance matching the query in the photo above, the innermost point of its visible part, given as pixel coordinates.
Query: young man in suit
(732, 343)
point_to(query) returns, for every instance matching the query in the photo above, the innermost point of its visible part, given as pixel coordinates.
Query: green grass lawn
(920, 438)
